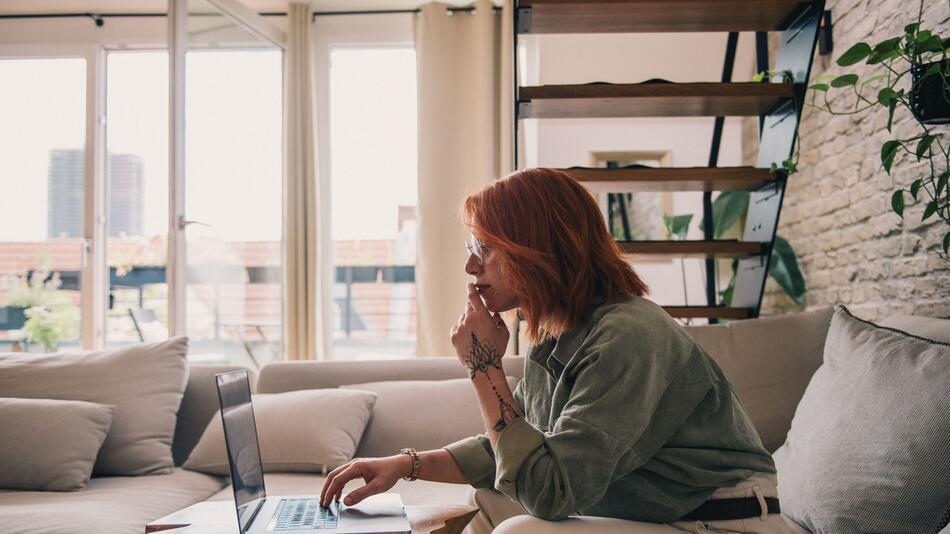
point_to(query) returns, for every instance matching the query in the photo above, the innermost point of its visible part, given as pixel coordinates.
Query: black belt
(726, 509)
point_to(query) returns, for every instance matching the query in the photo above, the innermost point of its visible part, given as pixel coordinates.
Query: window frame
(386, 30)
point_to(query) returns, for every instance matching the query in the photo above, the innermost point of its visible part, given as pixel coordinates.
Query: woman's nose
(472, 266)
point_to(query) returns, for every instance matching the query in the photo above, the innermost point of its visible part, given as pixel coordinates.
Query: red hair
(555, 249)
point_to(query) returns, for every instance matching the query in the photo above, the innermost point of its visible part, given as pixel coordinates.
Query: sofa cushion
(50, 444)
(144, 382)
(117, 505)
(867, 451)
(424, 414)
(769, 362)
(307, 431)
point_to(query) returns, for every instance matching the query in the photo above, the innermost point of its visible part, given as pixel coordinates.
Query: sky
(233, 138)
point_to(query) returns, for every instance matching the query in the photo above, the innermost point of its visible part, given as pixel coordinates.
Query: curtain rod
(99, 18)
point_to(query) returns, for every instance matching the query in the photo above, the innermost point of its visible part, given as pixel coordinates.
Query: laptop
(257, 513)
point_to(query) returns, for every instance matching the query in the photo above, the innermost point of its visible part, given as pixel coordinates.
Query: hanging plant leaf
(897, 202)
(784, 269)
(888, 45)
(880, 56)
(845, 80)
(890, 113)
(888, 151)
(929, 210)
(819, 87)
(923, 146)
(915, 188)
(910, 29)
(854, 54)
(942, 182)
(933, 44)
(884, 96)
(946, 243)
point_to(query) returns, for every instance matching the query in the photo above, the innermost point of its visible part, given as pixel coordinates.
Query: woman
(620, 414)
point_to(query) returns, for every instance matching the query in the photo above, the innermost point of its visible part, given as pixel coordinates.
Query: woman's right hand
(379, 475)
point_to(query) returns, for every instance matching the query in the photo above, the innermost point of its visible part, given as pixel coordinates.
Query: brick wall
(852, 248)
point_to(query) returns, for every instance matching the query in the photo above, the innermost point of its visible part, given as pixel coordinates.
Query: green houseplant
(911, 74)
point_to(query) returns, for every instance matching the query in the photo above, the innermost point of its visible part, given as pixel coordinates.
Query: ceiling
(153, 6)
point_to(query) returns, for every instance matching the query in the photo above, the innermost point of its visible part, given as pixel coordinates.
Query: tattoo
(480, 359)
(508, 413)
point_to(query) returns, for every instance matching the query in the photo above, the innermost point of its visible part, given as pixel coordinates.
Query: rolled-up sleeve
(621, 411)
(475, 457)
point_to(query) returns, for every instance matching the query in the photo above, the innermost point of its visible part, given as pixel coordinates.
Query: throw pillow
(50, 445)
(425, 414)
(144, 382)
(305, 431)
(867, 451)
(769, 362)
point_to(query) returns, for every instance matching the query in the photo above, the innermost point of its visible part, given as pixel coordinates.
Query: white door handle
(184, 223)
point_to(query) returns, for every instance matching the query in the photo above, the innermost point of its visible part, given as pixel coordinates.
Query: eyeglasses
(476, 248)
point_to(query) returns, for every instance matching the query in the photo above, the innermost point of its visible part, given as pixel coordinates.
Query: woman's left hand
(480, 337)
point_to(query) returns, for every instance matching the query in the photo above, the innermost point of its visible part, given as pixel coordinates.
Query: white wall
(631, 58)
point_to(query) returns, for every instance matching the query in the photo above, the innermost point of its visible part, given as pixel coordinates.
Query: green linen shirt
(624, 416)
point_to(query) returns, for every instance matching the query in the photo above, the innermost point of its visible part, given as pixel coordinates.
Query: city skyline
(65, 194)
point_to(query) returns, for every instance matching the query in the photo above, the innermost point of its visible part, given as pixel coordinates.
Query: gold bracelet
(414, 456)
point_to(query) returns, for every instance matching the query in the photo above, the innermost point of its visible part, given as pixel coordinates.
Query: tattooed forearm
(482, 357)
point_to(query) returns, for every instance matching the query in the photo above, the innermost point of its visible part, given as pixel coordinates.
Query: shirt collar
(565, 346)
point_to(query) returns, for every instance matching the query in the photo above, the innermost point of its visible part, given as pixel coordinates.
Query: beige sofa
(769, 373)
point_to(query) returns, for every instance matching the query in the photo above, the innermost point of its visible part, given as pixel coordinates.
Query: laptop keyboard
(305, 514)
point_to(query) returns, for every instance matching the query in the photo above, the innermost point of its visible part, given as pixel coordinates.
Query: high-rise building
(126, 195)
(65, 194)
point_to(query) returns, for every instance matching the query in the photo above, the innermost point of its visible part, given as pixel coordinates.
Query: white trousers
(501, 515)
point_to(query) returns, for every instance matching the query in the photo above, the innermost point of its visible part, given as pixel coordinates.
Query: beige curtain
(465, 102)
(307, 246)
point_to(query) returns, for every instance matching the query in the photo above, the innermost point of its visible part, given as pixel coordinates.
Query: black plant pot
(930, 98)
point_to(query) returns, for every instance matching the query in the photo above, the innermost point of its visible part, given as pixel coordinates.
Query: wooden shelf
(673, 178)
(710, 312)
(692, 249)
(702, 99)
(616, 16)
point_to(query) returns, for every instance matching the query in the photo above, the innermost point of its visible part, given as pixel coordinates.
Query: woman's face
(488, 281)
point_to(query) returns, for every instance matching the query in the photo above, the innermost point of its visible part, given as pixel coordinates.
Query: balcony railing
(356, 312)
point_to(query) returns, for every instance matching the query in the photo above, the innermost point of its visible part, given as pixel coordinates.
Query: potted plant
(912, 74)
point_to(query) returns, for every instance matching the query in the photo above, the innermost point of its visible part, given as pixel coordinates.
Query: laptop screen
(244, 453)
